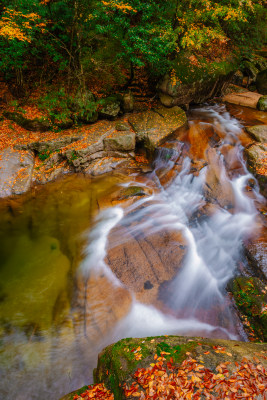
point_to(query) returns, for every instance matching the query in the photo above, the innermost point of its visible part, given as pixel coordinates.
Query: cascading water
(197, 294)
(202, 199)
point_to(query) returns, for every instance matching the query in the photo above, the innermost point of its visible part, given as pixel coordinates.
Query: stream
(84, 264)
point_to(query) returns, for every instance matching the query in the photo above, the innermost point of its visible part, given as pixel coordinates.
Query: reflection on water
(42, 237)
(82, 265)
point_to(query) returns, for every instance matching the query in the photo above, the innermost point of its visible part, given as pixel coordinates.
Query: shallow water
(72, 274)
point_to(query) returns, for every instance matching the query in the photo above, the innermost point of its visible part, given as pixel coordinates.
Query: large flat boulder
(177, 367)
(16, 169)
(152, 127)
(247, 99)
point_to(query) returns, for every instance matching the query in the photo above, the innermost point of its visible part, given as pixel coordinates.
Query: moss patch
(250, 298)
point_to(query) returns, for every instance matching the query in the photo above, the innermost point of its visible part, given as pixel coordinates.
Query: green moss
(250, 300)
(117, 362)
(189, 73)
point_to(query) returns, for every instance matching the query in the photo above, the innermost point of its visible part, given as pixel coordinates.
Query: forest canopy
(85, 38)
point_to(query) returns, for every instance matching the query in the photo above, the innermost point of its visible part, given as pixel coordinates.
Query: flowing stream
(81, 269)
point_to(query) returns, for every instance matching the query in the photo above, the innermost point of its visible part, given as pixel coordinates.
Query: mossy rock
(110, 107)
(117, 362)
(262, 104)
(250, 298)
(34, 125)
(153, 127)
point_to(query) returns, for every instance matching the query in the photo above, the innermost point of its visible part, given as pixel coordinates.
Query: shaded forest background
(101, 46)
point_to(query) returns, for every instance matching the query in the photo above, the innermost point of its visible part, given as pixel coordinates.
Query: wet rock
(256, 161)
(16, 168)
(261, 82)
(120, 141)
(145, 257)
(152, 127)
(101, 304)
(250, 298)
(258, 133)
(128, 102)
(217, 188)
(256, 250)
(131, 191)
(262, 104)
(247, 99)
(34, 125)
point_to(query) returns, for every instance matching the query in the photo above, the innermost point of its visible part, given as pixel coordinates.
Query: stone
(101, 304)
(246, 99)
(256, 250)
(110, 107)
(16, 168)
(131, 191)
(209, 85)
(258, 133)
(261, 82)
(34, 125)
(50, 146)
(154, 257)
(105, 165)
(250, 69)
(118, 360)
(256, 156)
(251, 298)
(122, 126)
(152, 127)
(128, 102)
(262, 103)
(120, 141)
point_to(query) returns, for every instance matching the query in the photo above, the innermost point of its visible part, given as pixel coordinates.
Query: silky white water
(214, 243)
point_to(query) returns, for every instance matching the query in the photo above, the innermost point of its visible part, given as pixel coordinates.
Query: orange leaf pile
(192, 380)
(96, 392)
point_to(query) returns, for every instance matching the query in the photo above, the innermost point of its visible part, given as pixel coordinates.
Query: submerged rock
(143, 257)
